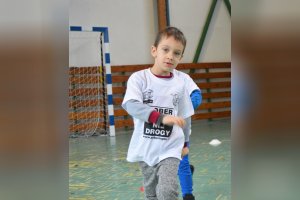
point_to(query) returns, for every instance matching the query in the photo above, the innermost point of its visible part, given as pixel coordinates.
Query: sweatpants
(160, 180)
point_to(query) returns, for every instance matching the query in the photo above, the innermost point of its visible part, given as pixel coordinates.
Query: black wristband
(185, 144)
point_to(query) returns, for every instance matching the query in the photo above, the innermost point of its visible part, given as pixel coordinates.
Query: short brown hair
(171, 31)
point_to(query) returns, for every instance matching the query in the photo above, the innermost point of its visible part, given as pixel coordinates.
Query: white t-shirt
(190, 84)
(151, 143)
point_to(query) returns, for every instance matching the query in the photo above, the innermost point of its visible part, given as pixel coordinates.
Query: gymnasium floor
(98, 168)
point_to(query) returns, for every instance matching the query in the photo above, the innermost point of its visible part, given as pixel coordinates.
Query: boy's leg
(167, 188)
(150, 181)
(185, 177)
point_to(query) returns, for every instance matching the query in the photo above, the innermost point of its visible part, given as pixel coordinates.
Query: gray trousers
(160, 181)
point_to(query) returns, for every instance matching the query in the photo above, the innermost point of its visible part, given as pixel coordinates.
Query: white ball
(215, 142)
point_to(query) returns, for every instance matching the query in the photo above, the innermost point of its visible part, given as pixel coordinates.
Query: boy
(159, 102)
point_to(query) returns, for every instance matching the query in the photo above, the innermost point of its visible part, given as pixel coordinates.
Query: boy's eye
(177, 53)
(165, 50)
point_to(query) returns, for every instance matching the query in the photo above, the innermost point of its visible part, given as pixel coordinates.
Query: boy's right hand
(171, 120)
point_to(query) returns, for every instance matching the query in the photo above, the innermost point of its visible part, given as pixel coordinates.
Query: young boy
(160, 104)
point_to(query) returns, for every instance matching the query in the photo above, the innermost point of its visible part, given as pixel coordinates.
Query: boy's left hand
(184, 151)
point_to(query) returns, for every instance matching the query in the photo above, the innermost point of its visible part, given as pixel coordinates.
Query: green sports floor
(98, 169)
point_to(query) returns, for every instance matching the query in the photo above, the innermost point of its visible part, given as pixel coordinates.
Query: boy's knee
(168, 192)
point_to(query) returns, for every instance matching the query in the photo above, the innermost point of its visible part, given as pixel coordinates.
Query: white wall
(190, 16)
(133, 24)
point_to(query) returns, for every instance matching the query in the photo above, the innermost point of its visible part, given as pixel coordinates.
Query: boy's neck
(169, 76)
(160, 73)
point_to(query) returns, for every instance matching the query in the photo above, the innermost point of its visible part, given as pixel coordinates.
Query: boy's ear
(153, 51)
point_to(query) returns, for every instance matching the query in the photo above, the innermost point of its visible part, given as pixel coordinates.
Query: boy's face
(167, 54)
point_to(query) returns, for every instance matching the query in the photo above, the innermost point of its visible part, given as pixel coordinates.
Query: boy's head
(170, 32)
(167, 50)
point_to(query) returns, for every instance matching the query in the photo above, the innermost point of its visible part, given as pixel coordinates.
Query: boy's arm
(196, 98)
(143, 112)
(186, 129)
(138, 109)
(193, 90)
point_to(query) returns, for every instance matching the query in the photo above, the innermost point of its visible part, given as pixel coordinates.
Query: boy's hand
(185, 151)
(171, 120)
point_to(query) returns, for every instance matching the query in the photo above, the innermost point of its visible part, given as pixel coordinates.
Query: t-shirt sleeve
(133, 90)
(190, 84)
(185, 107)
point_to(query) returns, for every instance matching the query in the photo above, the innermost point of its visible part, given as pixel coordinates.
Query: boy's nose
(170, 56)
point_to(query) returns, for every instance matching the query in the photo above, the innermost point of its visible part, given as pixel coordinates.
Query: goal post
(92, 87)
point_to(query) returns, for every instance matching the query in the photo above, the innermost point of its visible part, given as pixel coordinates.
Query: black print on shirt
(147, 96)
(154, 131)
(175, 99)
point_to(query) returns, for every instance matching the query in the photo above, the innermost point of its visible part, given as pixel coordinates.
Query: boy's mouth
(169, 64)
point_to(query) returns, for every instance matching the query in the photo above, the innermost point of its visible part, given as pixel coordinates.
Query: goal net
(87, 92)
